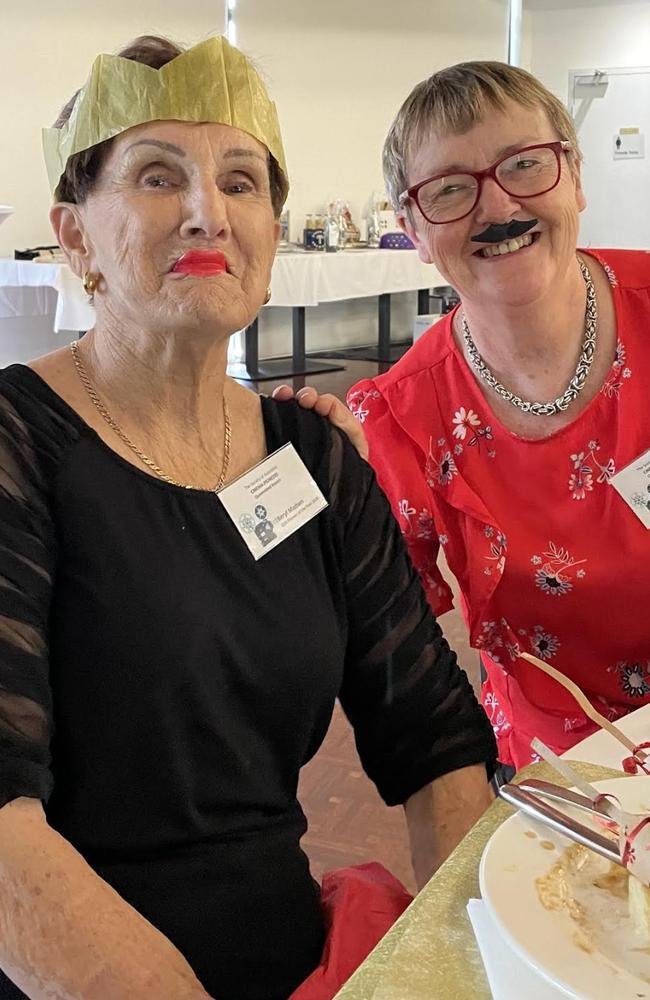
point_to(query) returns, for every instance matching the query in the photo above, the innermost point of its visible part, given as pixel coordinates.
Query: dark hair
(82, 169)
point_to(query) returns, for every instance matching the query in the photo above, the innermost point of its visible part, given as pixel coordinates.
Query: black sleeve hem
(19, 779)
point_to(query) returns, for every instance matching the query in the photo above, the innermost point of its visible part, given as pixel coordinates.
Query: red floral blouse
(548, 556)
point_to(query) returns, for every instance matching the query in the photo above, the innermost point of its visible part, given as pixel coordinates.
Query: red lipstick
(201, 263)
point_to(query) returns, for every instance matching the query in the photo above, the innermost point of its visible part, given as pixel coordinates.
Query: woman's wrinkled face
(514, 279)
(170, 187)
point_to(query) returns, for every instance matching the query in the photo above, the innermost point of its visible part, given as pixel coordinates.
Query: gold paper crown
(211, 82)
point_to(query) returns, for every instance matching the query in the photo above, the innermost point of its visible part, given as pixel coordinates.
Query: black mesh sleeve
(413, 710)
(27, 557)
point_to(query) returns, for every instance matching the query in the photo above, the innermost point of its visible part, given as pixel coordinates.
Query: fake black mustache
(501, 233)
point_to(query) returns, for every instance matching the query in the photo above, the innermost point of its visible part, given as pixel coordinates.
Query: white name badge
(272, 500)
(633, 483)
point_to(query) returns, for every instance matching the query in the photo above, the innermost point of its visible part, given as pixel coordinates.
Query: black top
(160, 690)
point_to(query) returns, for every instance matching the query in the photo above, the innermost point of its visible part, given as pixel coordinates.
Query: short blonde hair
(453, 100)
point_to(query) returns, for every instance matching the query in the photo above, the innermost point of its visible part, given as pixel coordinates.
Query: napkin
(508, 975)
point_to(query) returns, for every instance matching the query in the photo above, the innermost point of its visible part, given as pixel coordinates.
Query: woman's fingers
(329, 406)
(283, 392)
(338, 414)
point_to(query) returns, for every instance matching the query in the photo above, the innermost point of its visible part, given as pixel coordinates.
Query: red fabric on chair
(360, 904)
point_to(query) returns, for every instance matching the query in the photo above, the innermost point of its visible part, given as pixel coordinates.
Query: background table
(299, 279)
(309, 278)
(73, 311)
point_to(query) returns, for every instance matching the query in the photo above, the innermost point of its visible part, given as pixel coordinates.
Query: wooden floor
(348, 822)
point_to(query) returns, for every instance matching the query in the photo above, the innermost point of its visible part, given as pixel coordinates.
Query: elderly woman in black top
(159, 692)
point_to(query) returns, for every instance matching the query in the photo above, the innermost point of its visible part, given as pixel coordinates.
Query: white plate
(546, 939)
(5, 212)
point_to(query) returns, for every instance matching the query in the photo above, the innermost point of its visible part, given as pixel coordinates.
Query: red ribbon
(633, 764)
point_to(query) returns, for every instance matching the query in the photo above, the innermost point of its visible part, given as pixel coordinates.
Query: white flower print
(607, 471)
(613, 384)
(536, 560)
(513, 650)
(497, 549)
(465, 419)
(490, 640)
(613, 280)
(500, 724)
(620, 354)
(580, 485)
(554, 576)
(467, 428)
(491, 702)
(424, 528)
(495, 714)
(458, 449)
(446, 468)
(611, 712)
(405, 509)
(443, 539)
(543, 644)
(357, 402)
(442, 468)
(419, 523)
(553, 583)
(634, 678)
(585, 464)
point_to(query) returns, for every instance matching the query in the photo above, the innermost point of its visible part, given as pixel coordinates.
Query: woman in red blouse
(500, 432)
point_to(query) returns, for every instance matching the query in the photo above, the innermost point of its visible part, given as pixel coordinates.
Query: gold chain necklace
(99, 406)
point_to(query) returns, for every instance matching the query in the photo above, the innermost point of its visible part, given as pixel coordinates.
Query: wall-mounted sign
(629, 144)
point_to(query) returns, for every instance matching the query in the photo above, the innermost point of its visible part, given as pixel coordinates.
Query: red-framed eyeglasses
(526, 173)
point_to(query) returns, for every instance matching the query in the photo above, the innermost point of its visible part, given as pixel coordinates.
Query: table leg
(251, 346)
(252, 370)
(383, 335)
(298, 337)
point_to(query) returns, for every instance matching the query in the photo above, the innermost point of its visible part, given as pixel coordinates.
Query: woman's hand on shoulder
(330, 406)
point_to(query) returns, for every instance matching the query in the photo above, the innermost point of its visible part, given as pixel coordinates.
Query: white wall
(47, 50)
(567, 35)
(338, 71)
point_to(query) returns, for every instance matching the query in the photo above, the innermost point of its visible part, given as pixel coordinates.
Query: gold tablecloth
(431, 952)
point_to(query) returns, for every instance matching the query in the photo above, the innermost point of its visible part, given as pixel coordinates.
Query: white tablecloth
(73, 311)
(298, 279)
(601, 748)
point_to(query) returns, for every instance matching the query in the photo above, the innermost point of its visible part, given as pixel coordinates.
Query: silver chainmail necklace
(575, 386)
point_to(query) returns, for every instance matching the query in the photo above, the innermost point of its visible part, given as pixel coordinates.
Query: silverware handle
(560, 822)
(557, 794)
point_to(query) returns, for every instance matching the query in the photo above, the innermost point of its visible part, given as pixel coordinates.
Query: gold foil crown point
(211, 82)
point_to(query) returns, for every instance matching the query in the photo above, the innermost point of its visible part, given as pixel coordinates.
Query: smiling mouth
(508, 246)
(201, 263)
